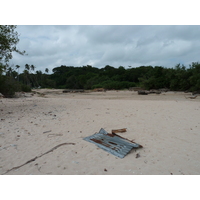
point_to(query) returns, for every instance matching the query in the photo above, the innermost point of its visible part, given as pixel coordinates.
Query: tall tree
(35, 82)
(32, 67)
(17, 67)
(8, 41)
(27, 67)
(25, 74)
(47, 70)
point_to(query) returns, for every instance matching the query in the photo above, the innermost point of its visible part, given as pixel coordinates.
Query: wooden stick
(47, 131)
(54, 134)
(119, 130)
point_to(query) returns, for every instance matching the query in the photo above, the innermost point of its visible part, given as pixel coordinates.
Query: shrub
(8, 86)
(25, 88)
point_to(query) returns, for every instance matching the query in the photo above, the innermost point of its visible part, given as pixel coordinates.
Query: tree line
(177, 78)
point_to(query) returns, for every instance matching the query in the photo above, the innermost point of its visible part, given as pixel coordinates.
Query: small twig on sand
(33, 159)
(53, 135)
(47, 131)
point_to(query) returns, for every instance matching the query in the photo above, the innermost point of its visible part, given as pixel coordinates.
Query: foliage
(88, 77)
(8, 40)
(25, 88)
(8, 86)
(8, 76)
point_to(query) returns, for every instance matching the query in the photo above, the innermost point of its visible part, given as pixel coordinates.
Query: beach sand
(166, 125)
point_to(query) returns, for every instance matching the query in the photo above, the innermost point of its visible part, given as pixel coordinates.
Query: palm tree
(47, 70)
(26, 73)
(39, 77)
(9, 72)
(32, 68)
(17, 67)
(27, 67)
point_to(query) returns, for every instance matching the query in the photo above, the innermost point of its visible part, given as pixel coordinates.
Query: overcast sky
(52, 46)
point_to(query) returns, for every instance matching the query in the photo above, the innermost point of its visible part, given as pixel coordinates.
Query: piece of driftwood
(99, 90)
(119, 130)
(47, 131)
(191, 97)
(54, 134)
(33, 159)
(143, 92)
(73, 90)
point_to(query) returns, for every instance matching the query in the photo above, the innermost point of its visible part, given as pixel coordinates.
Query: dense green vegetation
(148, 77)
(178, 78)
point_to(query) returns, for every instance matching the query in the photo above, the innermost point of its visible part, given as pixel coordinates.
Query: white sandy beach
(166, 125)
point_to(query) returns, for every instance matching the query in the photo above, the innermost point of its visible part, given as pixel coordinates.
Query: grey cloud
(52, 46)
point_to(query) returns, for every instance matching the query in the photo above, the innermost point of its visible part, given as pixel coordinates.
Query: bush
(8, 86)
(97, 86)
(25, 88)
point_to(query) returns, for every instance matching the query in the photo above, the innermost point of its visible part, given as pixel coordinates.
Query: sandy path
(167, 126)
